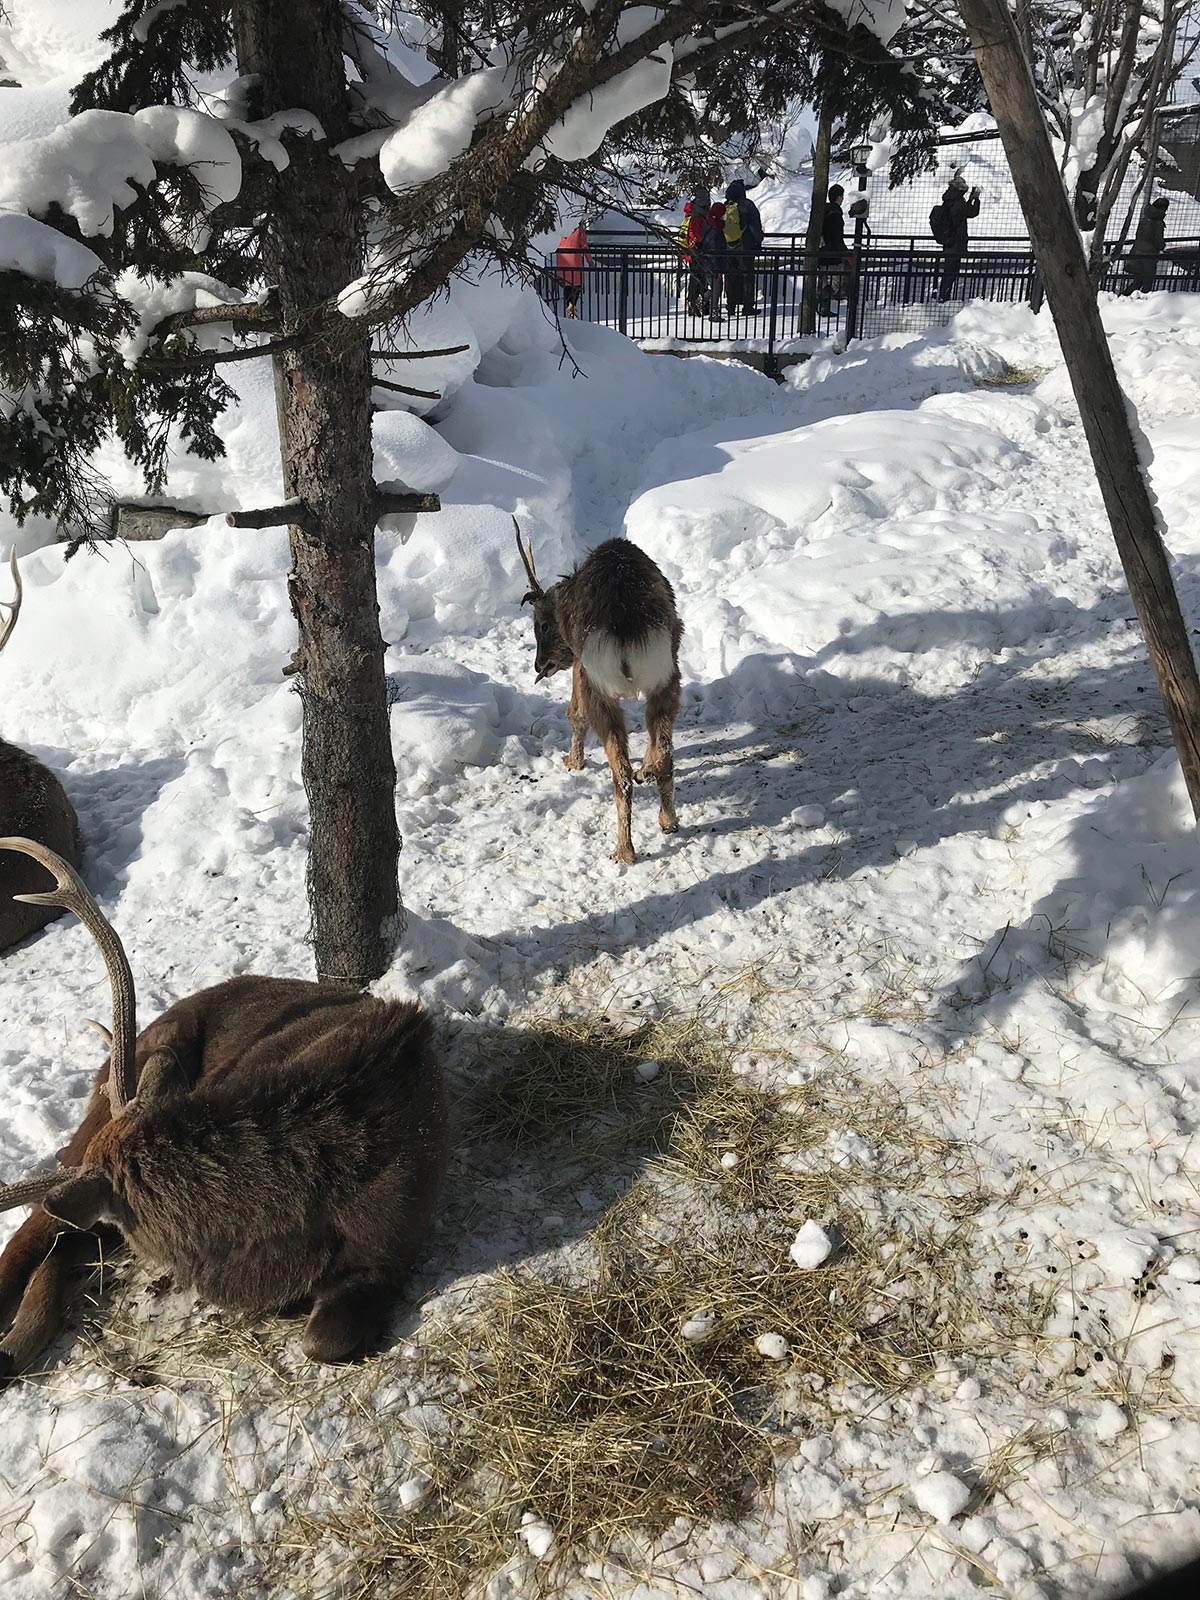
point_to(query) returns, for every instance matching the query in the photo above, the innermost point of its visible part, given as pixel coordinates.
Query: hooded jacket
(745, 229)
(572, 252)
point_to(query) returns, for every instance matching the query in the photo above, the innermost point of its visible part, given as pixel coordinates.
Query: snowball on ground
(941, 1495)
(773, 1346)
(698, 1326)
(537, 1536)
(811, 1246)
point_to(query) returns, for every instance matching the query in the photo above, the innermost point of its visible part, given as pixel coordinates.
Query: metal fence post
(623, 293)
(769, 366)
(854, 295)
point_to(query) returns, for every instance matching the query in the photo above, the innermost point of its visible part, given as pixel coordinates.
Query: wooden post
(1102, 406)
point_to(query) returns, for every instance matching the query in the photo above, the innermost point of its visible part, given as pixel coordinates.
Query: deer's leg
(662, 707)
(579, 723)
(41, 1312)
(608, 721)
(351, 1307)
(348, 1313)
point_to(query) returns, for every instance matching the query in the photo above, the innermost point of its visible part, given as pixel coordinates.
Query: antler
(31, 1190)
(13, 606)
(535, 588)
(70, 893)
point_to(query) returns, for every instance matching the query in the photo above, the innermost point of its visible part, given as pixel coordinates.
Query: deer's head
(554, 654)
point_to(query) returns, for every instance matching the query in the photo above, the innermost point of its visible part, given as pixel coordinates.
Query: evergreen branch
(241, 313)
(403, 388)
(418, 355)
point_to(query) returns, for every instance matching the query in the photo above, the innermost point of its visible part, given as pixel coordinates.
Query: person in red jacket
(569, 258)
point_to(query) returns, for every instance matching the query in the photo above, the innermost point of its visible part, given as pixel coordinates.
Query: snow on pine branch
(440, 129)
(882, 17)
(586, 125)
(39, 251)
(90, 164)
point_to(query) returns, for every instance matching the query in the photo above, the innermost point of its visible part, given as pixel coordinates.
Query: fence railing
(787, 299)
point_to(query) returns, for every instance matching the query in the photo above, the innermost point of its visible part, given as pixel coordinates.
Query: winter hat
(959, 182)
(736, 192)
(1160, 204)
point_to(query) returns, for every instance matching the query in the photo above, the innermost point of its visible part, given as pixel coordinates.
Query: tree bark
(816, 218)
(1101, 401)
(323, 393)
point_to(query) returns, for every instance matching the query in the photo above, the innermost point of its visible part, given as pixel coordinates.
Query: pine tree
(324, 210)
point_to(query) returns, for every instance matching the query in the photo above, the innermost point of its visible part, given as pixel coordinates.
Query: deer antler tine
(28, 1191)
(13, 606)
(527, 558)
(71, 893)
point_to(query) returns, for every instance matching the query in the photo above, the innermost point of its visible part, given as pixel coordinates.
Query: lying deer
(268, 1142)
(613, 623)
(34, 804)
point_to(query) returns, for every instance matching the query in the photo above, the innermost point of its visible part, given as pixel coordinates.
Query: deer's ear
(83, 1201)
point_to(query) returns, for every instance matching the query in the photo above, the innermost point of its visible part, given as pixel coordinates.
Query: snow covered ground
(932, 837)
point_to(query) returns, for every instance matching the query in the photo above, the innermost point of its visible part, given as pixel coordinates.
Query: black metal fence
(649, 292)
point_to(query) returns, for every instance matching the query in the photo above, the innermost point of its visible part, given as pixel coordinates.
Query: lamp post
(858, 156)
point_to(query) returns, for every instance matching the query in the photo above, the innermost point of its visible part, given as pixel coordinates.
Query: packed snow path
(930, 828)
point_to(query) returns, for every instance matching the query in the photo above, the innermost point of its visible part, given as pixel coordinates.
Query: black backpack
(939, 225)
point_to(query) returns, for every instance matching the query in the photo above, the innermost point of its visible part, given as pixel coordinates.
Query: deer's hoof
(8, 1368)
(624, 854)
(668, 824)
(573, 763)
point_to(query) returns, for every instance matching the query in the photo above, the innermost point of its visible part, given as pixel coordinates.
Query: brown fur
(33, 804)
(618, 591)
(287, 1144)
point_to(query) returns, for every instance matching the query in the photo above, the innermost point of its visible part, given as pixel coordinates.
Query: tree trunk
(323, 396)
(1098, 393)
(816, 217)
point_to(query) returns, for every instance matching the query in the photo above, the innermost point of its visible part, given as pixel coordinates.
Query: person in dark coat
(958, 208)
(1142, 267)
(833, 258)
(743, 240)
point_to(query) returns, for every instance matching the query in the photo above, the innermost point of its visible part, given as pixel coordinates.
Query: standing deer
(33, 804)
(613, 622)
(268, 1142)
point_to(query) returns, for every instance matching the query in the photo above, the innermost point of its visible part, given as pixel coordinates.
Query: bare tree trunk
(1101, 401)
(323, 394)
(816, 217)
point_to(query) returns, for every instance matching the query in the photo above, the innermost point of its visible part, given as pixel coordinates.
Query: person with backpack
(569, 258)
(683, 238)
(743, 241)
(1142, 266)
(948, 225)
